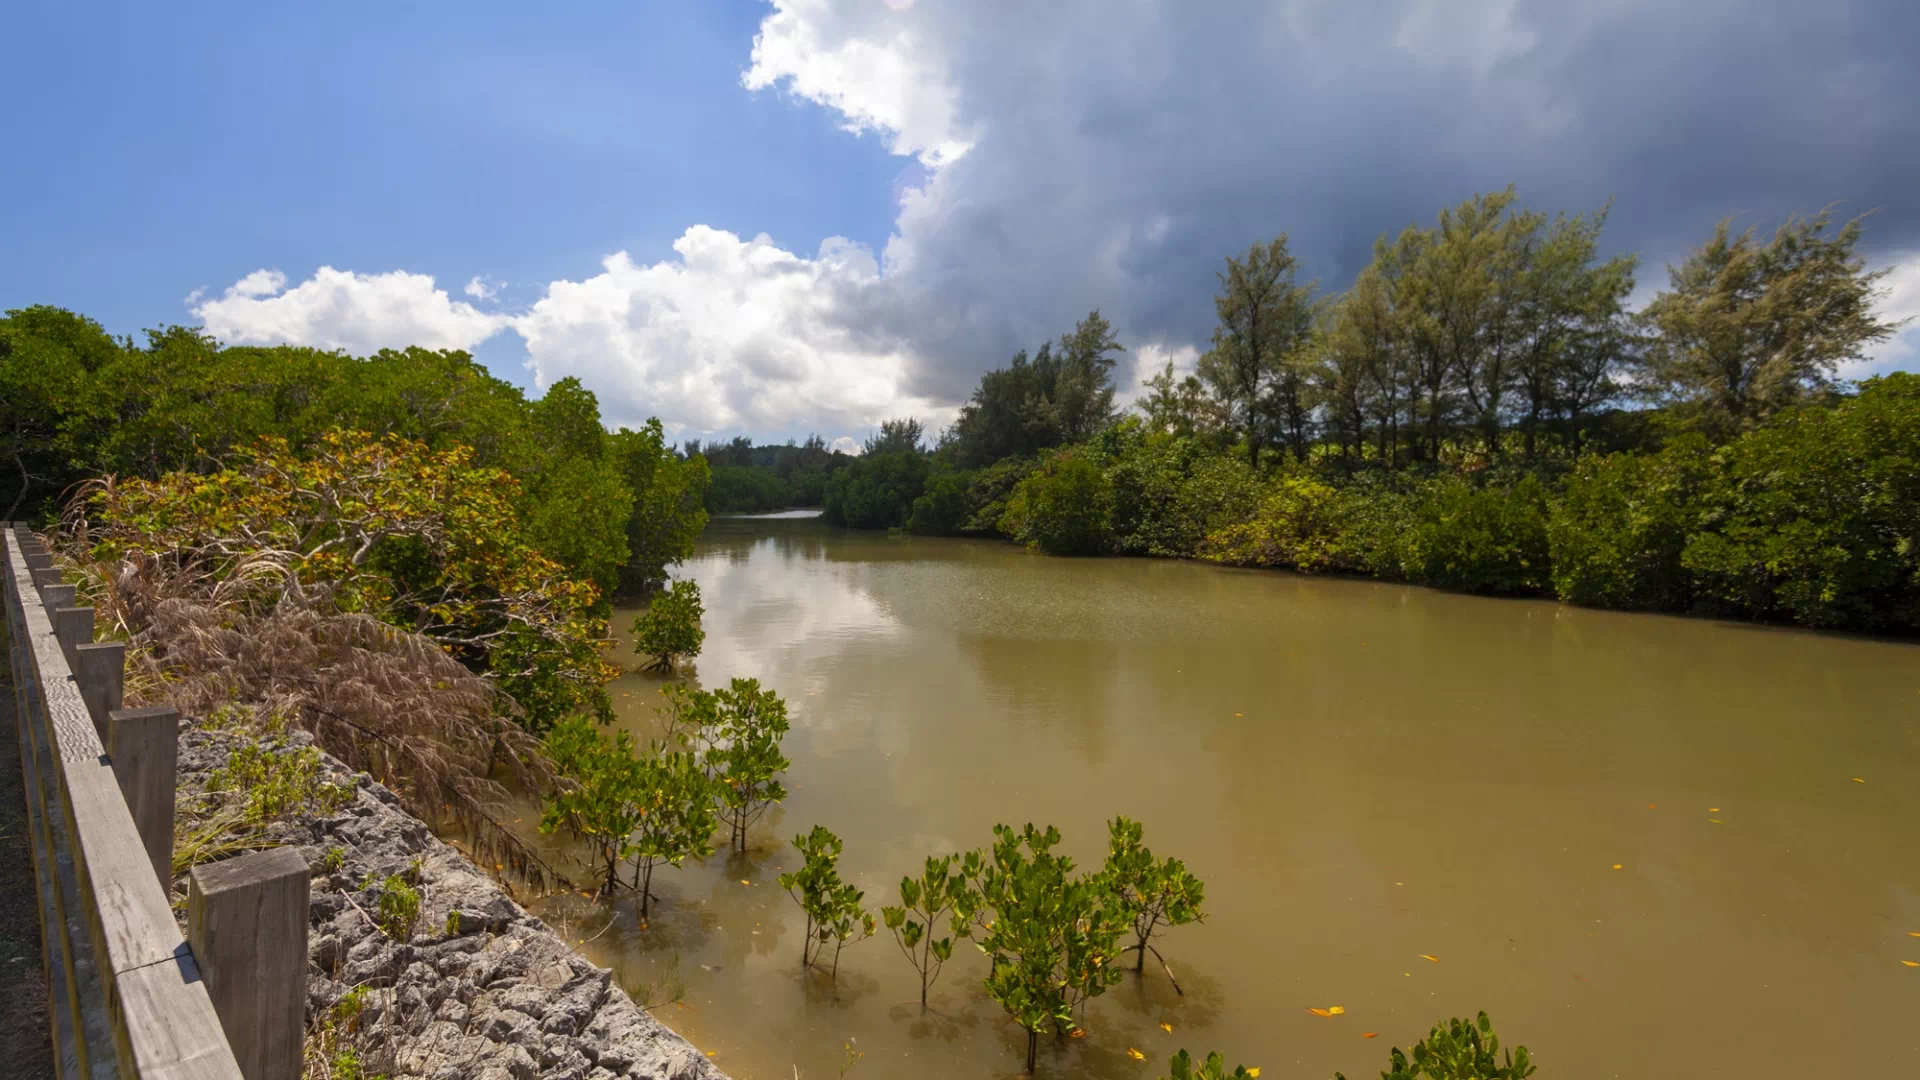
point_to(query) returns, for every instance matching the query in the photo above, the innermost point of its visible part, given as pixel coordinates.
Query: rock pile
(478, 988)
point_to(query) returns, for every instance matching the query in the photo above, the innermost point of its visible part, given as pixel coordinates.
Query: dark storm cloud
(1125, 148)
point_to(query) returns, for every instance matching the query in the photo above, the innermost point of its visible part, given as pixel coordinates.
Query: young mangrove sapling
(936, 892)
(832, 906)
(1152, 895)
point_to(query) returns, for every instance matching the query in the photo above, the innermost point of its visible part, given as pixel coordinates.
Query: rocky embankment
(479, 989)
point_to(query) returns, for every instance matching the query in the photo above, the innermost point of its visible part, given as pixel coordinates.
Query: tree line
(1479, 411)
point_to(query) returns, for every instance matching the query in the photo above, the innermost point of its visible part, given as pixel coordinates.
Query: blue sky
(812, 215)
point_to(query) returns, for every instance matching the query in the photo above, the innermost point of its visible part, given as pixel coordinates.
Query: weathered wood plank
(247, 921)
(169, 1029)
(144, 745)
(100, 670)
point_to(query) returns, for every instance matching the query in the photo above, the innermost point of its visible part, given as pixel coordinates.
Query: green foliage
(1458, 1050)
(1149, 894)
(1480, 539)
(1816, 517)
(940, 889)
(896, 437)
(1052, 936)
(276, 782)
(596, 801)
(1057, 398)
(943, 508)
(832, 906)
(1298, 526)
(1214, 1068)
(1747, 329)
(1621, 524)
(748, 489)
(425, 540)
(736, 731)
(670, 627)
(397, 907)
(876, 491)
(668, 494)
(1064, 508)
(652, 808)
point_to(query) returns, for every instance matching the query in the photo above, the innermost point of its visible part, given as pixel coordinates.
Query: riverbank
(468, 985)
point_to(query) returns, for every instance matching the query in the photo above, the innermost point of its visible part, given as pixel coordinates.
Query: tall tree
(1570, 327)
(895, 436)
(1083, 390)
(1264, 318)
(1747, 328)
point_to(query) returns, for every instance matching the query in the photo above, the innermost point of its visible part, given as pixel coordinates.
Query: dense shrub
(1064, 508)
(1480, 539)
(746, 489)
(1297, 526)
(991, 488)
(1816, 516)
(670, 627)
(876, 491)
(945, 507)
(1621, 523)
(1171, 492)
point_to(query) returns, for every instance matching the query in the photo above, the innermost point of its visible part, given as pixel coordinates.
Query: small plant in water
(1182, 1067)
(1151, 895)
(832, 906)
(669, 629)
(937, 891)
(1458, 1050)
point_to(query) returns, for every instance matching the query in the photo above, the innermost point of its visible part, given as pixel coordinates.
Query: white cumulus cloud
(339, 309)
(732, 335)
(878, 67)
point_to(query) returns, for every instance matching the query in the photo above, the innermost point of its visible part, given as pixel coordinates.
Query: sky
(813, 215)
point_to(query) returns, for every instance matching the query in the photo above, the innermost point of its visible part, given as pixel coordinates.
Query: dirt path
(24, 1044)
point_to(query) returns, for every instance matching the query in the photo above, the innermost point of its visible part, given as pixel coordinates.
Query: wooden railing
(129, 996)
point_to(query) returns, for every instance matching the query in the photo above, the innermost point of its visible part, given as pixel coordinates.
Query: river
(1647, 846)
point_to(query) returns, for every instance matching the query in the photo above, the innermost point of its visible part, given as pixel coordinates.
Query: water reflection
(1362, 773)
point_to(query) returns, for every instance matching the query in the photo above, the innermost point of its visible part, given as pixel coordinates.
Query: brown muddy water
(1647, 846)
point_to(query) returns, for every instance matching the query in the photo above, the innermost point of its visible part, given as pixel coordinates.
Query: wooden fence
(130, 996)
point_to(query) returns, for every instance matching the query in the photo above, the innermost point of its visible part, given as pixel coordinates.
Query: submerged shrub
(876, 491)
(1816, 516)
(1621, 523)
(1062, 509)
(670, 627)
(944, 508)
(1485, 539)
(1297, 526)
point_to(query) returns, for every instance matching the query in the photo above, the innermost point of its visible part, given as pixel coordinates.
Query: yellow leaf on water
(744, 881)
(1913, 933)
(1424, 956)
(1616, 866)
(1320, 1012)
(1910, 963)
(1166, 1027)
(1078, 1033)
(1255, 1071)
(1135, 1054)
(1713, 809)
(1369, 1034)
(1715, 821)
(1335, 1010)
(1857, 780)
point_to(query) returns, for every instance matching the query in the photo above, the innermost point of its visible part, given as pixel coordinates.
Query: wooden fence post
(100, 670)
(144, 745)
(73, 626)
(247, 925)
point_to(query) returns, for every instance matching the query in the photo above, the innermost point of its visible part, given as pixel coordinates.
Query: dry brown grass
(381, 700)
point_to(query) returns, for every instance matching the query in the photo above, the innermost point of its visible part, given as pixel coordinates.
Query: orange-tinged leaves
(1369, 1034)
(1135, 1054)
(1911, 963)
(1424, 956)
(1166, 1027)
(1078, 1033)
(1857, 780)
(1320, 1012)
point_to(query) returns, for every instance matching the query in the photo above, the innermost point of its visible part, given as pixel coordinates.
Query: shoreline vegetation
(411, 563)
